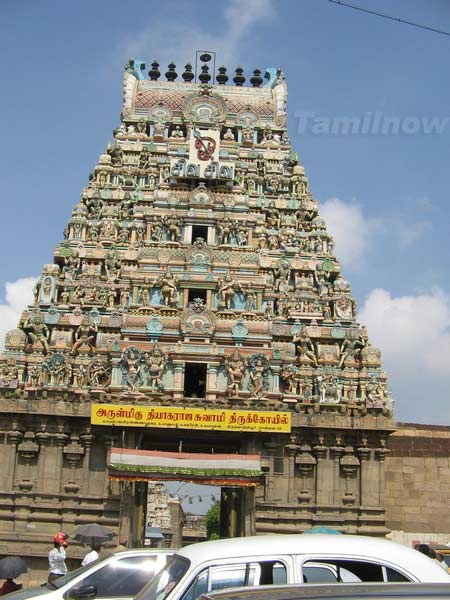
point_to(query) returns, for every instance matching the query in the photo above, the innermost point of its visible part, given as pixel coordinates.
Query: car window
(169, 577)
(345, 571)
(393, 575)
(123, 577)
(318, 574)
(198, 586)
(227, 577)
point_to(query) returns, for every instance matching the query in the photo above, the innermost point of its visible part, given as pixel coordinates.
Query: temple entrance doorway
(198, 457)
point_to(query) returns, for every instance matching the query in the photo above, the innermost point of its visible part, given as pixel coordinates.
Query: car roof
(134, 551)
(371, 548)
(353, 590)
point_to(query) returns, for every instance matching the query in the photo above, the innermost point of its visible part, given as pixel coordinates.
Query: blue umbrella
(322, 529)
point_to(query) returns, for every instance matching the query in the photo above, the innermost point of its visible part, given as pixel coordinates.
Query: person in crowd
(92, 555)
(57, 557)
(9, 586)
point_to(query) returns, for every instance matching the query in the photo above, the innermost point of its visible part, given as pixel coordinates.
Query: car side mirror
(82, 592)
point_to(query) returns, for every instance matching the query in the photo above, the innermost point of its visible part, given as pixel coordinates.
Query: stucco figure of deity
(130, 366)
(172, 224)
(351, 349)
(329, 389)
(156, 363)
(168, 286)
(37, 330)
(257, 379)
(227, 291)
(225, 229)
(85, 335)
(304, 346)
(235, 367)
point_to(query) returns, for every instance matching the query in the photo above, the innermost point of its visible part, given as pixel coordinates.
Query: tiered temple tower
(194, 273)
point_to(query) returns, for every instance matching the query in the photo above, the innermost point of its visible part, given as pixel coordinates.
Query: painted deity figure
(227, 290)
(131, 368)
(228, 135)
(85, 336)
(177, 132)
(329, 390)
(172, 224)
(225, 229)
(257, 378)
(250, 298)
(168, 286)
(145, 297)
(156, 363)
(304, 346)
(375, 392)
(351, 349)
(9, 373)
(289, 376)
(37, 330)
(235, 367)
(79, 376)
(33, 372)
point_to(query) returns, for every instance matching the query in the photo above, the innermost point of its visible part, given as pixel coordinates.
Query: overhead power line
(384, 16)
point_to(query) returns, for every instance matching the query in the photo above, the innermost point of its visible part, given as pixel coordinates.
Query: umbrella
(322, 529)
(93, 534)
(12, 566)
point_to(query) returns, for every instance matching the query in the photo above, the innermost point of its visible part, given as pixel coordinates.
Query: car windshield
(163, 583)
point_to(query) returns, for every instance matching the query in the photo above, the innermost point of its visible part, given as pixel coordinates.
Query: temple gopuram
(194, 325)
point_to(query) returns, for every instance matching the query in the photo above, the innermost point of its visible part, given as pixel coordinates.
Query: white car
(280, 559)
(119, 576)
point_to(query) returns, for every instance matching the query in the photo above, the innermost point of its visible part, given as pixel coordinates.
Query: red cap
(60, 537)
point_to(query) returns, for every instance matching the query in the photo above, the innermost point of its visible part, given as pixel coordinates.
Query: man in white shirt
(57, 557)
(91, 556)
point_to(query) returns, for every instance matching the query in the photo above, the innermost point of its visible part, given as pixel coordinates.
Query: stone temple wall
(417, 476)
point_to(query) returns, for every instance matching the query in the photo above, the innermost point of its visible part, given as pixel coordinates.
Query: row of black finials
(204, 75)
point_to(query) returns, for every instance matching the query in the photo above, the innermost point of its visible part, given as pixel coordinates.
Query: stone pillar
(269, 467)
(324, 475)
(291, 450)
(73, 454)
(364, 489)
(27, 451)
(87, 439)
(14, 437)
(43, 438)
(177, 520)
(276, 378)
(60, 439)
(247, 511)
(306, 463)
(178, 368)
(336, 453)
(350, 466)
(211, 380)
(187, 234)
(380, 455)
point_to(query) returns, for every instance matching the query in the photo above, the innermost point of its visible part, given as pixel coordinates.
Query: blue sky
(384, 195)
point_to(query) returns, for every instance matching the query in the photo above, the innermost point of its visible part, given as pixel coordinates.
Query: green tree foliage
(213, 521)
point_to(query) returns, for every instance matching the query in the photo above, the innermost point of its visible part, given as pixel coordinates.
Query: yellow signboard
(190, 418)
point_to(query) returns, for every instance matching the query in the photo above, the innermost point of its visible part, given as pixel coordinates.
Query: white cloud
(351, 230)
(18, 295)
(413, 333)
(409, 233)
(178, 39)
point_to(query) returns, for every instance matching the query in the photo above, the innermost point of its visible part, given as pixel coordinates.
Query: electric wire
(383, 15)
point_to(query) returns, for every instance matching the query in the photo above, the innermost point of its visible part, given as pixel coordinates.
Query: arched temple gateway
(194, 325)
